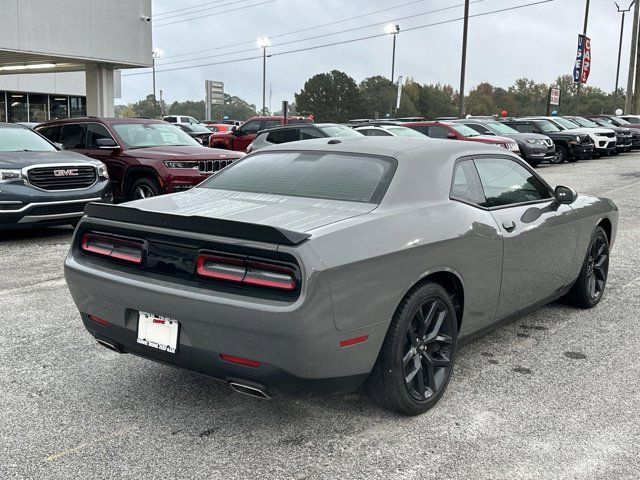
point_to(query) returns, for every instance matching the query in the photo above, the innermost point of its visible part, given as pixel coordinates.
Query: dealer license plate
(158, 332)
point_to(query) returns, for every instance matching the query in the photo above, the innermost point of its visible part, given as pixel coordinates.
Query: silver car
(321, 265)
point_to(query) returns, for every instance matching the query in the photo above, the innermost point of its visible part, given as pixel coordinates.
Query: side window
(288, 135)
(250, 127)
(466, 184)
(72, 135)
(438, 132)
(524, 127)
(309, 133)
(507, 183)
(479, 128)
(170, 119)
(421, 128)
(270, 124)
(96, 131)
(51, 133)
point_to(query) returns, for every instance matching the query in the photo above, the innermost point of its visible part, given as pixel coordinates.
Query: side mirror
(565, 195)
(199, 140)
(107, 144)
(451, 136)
(59, 145)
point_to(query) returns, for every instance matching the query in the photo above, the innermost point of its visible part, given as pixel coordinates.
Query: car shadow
(36, 233)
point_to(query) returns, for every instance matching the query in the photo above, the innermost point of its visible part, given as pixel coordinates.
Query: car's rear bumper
(296, 343)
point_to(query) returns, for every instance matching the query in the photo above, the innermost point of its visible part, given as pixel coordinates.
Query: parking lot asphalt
(556, 394)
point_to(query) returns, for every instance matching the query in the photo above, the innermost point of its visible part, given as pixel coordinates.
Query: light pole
(463, 63)
(393, 30)
(623, 11)
(263, 43)
(156, 53)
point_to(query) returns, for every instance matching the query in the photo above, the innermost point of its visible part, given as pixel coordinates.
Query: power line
(323, 35)
(168, 16)
(213, 14)
(413, 2)
(516, 7)
(187, 8)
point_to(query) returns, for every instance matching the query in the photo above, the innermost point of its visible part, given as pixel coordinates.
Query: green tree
(124, 111)
(329, 97)
(148, 108)
(481, 101)
(530, 97)
(234, 107)
(438, 101)
(378, 96)
(409, 99)
(191, 108)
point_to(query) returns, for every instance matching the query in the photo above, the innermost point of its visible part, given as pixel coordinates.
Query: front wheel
(144, 188)
(416, 359)
(589, 287)
(561, 155)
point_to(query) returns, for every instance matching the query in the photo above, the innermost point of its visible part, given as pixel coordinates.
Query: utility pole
(615, 91)
(584, 32)
(632, 59)
(463, 64)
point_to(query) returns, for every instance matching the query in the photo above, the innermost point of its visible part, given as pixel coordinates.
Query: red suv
(240, 138)
(144, 157)
(458, 131)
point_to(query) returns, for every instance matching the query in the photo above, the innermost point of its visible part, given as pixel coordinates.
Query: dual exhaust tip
(235, 386)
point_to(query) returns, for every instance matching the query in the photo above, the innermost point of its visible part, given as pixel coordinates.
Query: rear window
(332, 176)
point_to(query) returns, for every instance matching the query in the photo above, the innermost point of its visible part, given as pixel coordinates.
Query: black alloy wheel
(416, 360)
(590, 285)
(561, 155)
(427, 361)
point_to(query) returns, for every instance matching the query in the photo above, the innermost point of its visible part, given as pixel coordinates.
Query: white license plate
(158, 332)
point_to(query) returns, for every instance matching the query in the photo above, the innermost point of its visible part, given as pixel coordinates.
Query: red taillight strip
(98, 320)
(354, 341)
(246, 271)
(239, 360)
(113, 247)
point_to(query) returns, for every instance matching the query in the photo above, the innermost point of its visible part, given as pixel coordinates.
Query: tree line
(336, 97)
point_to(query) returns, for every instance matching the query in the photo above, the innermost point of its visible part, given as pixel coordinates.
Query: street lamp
(263, 43)
(156, 53)
(393, 30)
(623, 11)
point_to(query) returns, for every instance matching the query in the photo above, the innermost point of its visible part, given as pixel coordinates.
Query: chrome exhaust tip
(249, 390)
(108, 345)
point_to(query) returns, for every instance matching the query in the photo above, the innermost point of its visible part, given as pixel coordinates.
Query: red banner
(586, 61)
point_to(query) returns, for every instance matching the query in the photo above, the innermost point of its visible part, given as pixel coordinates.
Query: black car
(534, 147)
(41, 185)
(300, 131)
(197, 131)
(569, 146)
(624, 136)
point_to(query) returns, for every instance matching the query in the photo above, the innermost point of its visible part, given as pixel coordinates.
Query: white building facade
(58, 57)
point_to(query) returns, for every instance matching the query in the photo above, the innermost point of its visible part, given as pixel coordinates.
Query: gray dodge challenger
(322, 265)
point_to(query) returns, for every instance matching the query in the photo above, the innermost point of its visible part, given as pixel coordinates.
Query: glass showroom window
(38, 108)
(78, 106)
(17, 107)
(58, 107)
(3, 106)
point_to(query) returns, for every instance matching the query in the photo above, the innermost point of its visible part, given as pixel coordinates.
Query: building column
(99, 78)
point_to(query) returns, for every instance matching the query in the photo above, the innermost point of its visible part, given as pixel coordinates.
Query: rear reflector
(239, 360)
(248, 272)
(98, 320)
(113, 247)
(354, 341)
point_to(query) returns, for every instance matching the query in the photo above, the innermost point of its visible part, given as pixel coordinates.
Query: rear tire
(144, 188)
(415, 363)
(589, 287)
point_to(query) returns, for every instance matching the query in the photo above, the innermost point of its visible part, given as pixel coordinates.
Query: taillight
(248, 272)
(113, 247)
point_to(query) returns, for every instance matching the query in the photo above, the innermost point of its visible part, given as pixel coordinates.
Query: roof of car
(104, 119)
(11, 125)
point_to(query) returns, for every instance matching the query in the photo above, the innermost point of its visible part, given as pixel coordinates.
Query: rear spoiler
(197, 224)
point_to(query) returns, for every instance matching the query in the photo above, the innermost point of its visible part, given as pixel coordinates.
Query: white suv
(180, 119)
(604, 139)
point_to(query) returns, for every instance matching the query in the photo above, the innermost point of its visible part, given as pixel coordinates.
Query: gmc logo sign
(71, 172)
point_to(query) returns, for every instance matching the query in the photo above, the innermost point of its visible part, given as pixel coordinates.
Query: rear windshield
(332, 176)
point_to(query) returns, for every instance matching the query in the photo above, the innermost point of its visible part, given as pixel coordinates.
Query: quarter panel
(372, 263)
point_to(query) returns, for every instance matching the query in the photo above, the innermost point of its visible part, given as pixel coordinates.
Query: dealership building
(62, 58)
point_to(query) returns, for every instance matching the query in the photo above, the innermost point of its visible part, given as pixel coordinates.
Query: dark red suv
(144, 157)
(240, 138)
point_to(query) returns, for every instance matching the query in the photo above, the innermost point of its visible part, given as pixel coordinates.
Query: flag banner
(582, 66)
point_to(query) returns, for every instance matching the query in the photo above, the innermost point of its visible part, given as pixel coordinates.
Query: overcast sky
(538, 42)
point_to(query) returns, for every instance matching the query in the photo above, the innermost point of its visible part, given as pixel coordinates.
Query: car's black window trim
(86, 134)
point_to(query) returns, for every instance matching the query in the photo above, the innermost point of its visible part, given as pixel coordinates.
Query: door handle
(509, 225)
